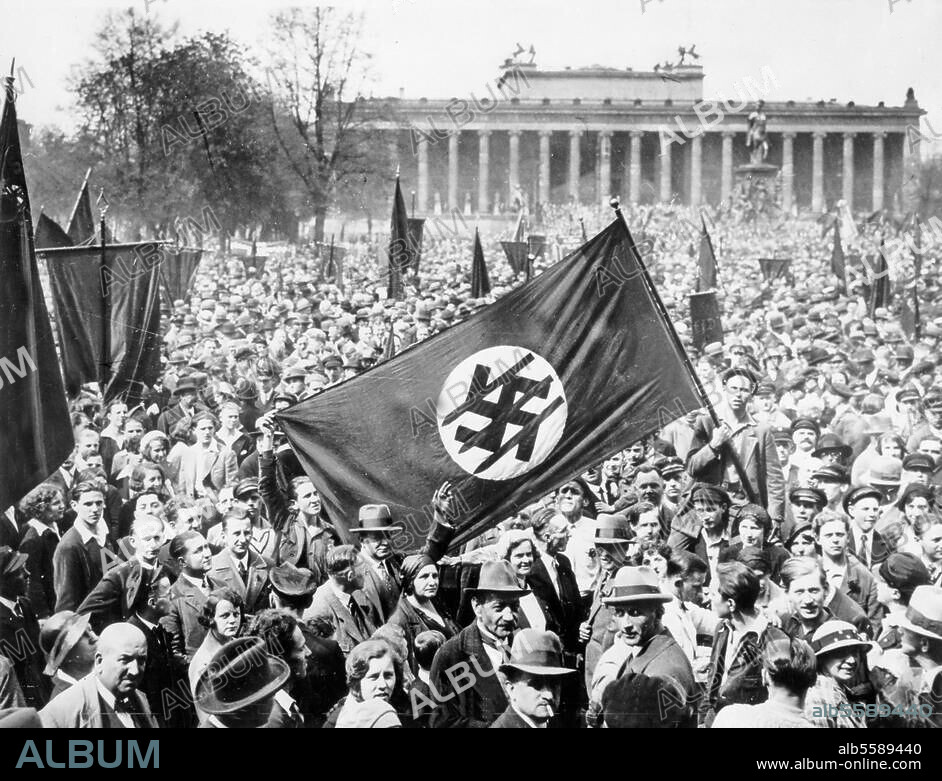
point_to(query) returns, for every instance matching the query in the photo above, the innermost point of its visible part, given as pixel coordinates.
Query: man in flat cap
(739, 438)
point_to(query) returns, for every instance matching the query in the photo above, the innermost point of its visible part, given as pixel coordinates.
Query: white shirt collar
(63, 676)
(285, 700)
(216, 722)
(40, 527)
(124, 717)
(145, 622)
(100, 533)
(11, 604)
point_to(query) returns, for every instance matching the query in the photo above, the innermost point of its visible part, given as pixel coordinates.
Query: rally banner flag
(81, 228)
(254, 261)
(516, 252)
(416, 231)
(506, 405)
(838, 265)
(178, 270)
(50, 234)
(480, 282)
(706, 321)
(399, 256)
(108, 316)
(35, 429)
(706, 279)
(536, 245)
(773, 268)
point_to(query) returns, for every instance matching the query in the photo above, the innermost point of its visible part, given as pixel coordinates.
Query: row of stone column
(634, 167)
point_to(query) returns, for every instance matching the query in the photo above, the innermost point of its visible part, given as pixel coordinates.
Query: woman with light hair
(518, 547)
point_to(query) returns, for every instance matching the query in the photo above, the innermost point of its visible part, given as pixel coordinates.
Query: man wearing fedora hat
(643, 647)
(533, 680)
(921, 629)
(238, 686)
(463, 674)
(833, 480)
(612, 547)
(186, 393)
(68, 643)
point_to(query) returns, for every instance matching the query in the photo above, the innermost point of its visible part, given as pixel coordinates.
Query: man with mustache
(463, 680)
(533, 681)
(108, 697)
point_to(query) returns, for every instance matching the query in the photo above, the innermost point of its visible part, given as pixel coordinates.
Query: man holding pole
(738, 453)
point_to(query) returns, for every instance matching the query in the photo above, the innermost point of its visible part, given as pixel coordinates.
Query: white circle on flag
(501, 412)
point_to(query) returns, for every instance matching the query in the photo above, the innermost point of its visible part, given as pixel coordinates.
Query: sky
(861, 50)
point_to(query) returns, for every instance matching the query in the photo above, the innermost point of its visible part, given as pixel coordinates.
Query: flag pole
(104, 365)
(685, 358)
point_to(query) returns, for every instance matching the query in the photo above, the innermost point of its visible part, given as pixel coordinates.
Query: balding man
(108, 696)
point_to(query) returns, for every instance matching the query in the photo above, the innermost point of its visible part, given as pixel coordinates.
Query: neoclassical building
(584, 134)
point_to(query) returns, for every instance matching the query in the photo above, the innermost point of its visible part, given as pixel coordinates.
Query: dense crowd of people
(778, 563)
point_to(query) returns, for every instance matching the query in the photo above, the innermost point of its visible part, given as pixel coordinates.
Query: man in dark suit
(292, 589)
(464, 669)
(702, 528)
(341, 602)
(186, 393)
(862, 504)
(78, 562)
(553, 580)
(739, 436)
(238, 566)
(533, 680)
(19, 629)
(637, 604)
(188, 594)
(164, 681)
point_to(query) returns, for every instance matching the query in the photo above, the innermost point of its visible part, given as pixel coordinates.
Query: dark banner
(178, 270)
(35, 430)
(516, 252)
(773, 268)
(81, 228)
(480, 282)
(255, 261)
(416, 232)
(705, 319)
(708, 269)
(108, 316)
(400, 256)
(536, 245)
(50, 234)
(506, 405)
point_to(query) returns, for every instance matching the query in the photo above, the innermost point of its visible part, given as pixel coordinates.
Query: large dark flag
(81, 228)
(178, 270)
(706, 279)
(480, 282)
(838, 266)
(705, 319)
(416, 231)
(108, 316)
(516, 252)
(507, 405)
(536, 245)
(35, 430)
(50, 234)
(399, 256)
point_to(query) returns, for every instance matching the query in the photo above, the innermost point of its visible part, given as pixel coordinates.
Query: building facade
(585, 134)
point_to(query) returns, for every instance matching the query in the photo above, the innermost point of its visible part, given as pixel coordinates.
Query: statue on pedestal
(756, 138)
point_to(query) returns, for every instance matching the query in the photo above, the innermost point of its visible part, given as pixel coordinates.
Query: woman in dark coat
(419, 608)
